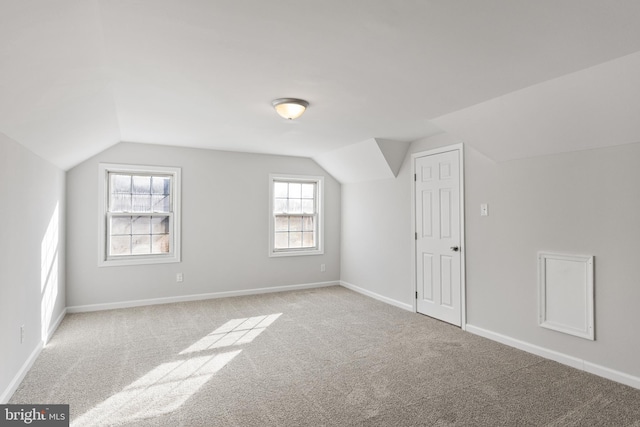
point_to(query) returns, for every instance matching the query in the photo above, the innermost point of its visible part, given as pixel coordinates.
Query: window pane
(140, 245)
(133, 193)
(295, 190)
(141, 225)
(307, 206)
(280, 189)
(307, 240)
(307, 223)
(295, 240)
(159, 203)
(160, 244)
(121, 225)
(282, 240)
(120, 245)
(120, 183)
(280, 205)
(282, 223)
(160, 185)
(308, 191)
(160, 225)
(295, 223)
(141, 203)
(120, 202)
(295, 206)
(141, 185)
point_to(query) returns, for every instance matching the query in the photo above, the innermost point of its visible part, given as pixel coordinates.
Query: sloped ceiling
(591, 108)
(77, 76)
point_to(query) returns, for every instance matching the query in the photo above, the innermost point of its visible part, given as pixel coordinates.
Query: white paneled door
(438, 236)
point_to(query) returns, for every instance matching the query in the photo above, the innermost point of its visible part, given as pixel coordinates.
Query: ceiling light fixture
(290, 108)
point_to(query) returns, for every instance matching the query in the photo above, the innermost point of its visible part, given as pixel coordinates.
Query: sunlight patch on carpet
(161, 391)
(234, 332)
(168, 386)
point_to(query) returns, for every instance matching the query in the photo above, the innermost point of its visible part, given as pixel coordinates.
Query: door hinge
(416, 294)
(416, 235)
(415, 176)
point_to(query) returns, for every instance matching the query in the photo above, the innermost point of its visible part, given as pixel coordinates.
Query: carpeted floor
(321, 357)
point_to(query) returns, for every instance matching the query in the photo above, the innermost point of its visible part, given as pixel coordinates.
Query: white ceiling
(514, 78)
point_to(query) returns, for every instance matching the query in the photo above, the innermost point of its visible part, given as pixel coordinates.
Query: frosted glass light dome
(290, 108)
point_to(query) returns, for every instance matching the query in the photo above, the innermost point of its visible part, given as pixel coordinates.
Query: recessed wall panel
(566, 293)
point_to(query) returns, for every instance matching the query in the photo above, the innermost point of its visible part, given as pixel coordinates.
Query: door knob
(455, 248)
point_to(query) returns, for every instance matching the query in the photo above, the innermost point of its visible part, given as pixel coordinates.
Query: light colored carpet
(317, 357)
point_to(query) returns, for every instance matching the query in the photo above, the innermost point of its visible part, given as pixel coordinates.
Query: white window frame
(319, 249)
(174, 222)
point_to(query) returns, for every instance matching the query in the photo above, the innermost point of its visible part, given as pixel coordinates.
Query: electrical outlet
(323, 268)
(179, 277)
(21, 334)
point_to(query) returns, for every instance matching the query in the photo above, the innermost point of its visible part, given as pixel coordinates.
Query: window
(296, 215)
(139, 214)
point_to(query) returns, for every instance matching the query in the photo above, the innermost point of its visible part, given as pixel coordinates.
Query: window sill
(138, 261)
(276, 254)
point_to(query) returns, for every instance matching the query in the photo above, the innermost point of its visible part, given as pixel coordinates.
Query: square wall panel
(565, 292)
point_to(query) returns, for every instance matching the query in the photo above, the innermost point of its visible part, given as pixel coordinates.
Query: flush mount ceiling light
(290, 108)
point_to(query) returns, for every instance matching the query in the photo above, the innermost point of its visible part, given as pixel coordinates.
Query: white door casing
(439, 235)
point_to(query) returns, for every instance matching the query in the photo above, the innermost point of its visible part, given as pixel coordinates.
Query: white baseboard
(565, 359)
(195, 297)
(17, 379)
(374, 295)
(612, 374)
(54, 326)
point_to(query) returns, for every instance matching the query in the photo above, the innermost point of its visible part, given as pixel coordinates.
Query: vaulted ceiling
(514, 78)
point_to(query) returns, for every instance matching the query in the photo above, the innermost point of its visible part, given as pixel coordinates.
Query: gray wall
(224, 228)
(32, 277)
(377, 239)
(376, 236)
(583, 202)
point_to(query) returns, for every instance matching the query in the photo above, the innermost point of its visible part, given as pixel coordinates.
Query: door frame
(463, 287)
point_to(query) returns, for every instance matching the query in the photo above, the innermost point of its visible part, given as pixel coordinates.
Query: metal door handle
(455, 248)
